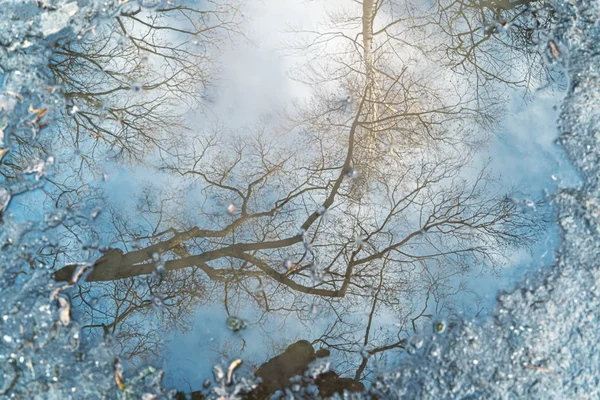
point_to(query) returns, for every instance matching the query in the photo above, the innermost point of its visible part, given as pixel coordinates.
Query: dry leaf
(51, 89)
(76, 275)
(232, 367)
(56, 291)
(65, 311)
(40, 113)
(79, 272)
(540, 369)
(554, 49)
(16, 95)
(2, 153)
(119, 375)
(43, 3)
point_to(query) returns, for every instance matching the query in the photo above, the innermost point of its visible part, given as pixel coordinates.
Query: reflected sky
(292, 133)
(521, 153)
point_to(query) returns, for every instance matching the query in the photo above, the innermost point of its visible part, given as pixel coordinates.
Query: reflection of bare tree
(412, 231)
(130, 83)
(127, 310)
(368, 206)
(427, 74)
(127, 82)
(489, 41)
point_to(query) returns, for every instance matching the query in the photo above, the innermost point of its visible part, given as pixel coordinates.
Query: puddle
(292, 187)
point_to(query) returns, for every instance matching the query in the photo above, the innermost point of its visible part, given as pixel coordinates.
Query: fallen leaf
(232, 367)
(44, 4)
(56, 291)
(119, 375)
(540, 369)
(79, 272)
(2, 153)
(554, 49)
(40, 113)
(51, 89)
(14, 94)
(64, 310)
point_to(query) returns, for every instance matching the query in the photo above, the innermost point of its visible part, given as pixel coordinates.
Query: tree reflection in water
(362, 206)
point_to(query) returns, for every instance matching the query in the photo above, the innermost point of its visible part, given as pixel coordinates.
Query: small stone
(236, 324)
